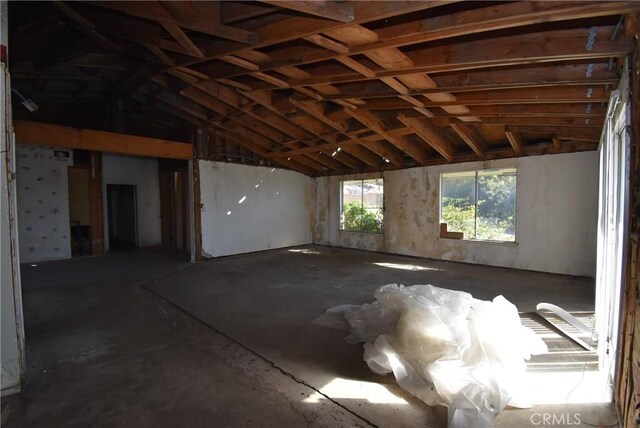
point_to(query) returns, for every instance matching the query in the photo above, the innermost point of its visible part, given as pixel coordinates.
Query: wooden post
(95, 203)
(198, 138)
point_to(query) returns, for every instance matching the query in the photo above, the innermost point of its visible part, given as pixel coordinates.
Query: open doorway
(121, 208)
(612, 229)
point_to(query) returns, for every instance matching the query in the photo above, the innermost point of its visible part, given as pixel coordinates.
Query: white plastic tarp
(444, 347)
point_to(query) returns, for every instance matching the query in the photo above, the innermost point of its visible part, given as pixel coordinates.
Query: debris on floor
(569, 325)
(444, 347)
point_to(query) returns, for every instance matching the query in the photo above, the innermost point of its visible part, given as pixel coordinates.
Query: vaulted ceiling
(326, 87)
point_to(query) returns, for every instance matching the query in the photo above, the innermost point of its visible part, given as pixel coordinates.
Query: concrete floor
(144, 339)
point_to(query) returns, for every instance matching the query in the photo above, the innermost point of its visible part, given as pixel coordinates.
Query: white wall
(556, 215)
(274, 213)
(43, 203)
(143, 173)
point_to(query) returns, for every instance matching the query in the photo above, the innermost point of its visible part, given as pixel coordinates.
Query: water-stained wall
(248, 208)
(43, 203)
(556, 215)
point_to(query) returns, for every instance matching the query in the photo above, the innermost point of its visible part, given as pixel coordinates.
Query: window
(480, 204)
(362, 205)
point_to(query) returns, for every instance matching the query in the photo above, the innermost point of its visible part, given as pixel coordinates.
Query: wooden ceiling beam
(573, 110)
(315, 110)
(130, 29)
(238, 11)
(333, 10)
(248, 144)
(477, 21)
(562, 95)
(429, 134)
(309, 159)
(336, 162)
(504, 153)
(543, 47)
(205, 20)
(489, 87)
(172, 110)
(359, 153)
(507, 78)
(187, 105)
(298, 27)
(515, 139)
(294, 28)
(327, 43)
(590, 122)
(469, 135)
(563, 133)
(315, 160)
(372, 122)
(160, 54)
(491, 18)
(201, 92)
(86, 26)
(184, 40)
(182, 10)
(28, 132)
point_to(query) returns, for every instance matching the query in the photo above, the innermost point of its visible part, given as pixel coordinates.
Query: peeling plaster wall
(142, 173)
(43, 203)
(248, 208)
(556, 215)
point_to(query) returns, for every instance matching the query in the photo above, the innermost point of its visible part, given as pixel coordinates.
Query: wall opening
(122, 224)
(612, 230)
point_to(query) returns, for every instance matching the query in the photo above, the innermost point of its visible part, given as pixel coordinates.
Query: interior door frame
(613, 216)
(135, 214)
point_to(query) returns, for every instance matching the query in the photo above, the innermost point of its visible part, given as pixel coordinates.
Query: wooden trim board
(28, 132)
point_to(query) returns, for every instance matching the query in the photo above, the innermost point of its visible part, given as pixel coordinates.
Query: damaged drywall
(248, 208)
(556, 215)
(142, 173)
(12, 349)
(43, 202)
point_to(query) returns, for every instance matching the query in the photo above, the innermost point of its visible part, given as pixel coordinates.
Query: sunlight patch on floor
(405, 266)
(355, 390)
(304, 251)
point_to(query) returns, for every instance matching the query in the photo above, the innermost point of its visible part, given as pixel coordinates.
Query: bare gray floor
(144, 339)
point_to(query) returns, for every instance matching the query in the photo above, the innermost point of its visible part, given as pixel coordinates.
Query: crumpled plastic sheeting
(445, 348)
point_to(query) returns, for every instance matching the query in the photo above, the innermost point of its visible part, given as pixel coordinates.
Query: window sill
(361, 233)
(481, 241)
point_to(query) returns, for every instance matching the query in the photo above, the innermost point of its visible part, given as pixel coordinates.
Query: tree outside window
(362, 205)
(480, 204)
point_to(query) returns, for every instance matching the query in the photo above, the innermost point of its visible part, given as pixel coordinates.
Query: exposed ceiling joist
(327, 87)
(334, 10)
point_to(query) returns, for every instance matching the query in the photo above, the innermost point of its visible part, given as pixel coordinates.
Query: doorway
(612, 229)
(121, 208)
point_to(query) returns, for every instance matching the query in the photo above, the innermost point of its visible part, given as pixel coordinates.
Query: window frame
(341, 207)
(476, 174)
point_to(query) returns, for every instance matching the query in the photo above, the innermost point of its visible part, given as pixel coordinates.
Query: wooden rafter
(327, 87)
(469, 135)
(337, 11)
(206, 18)
(429, 134)
(515, 139)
